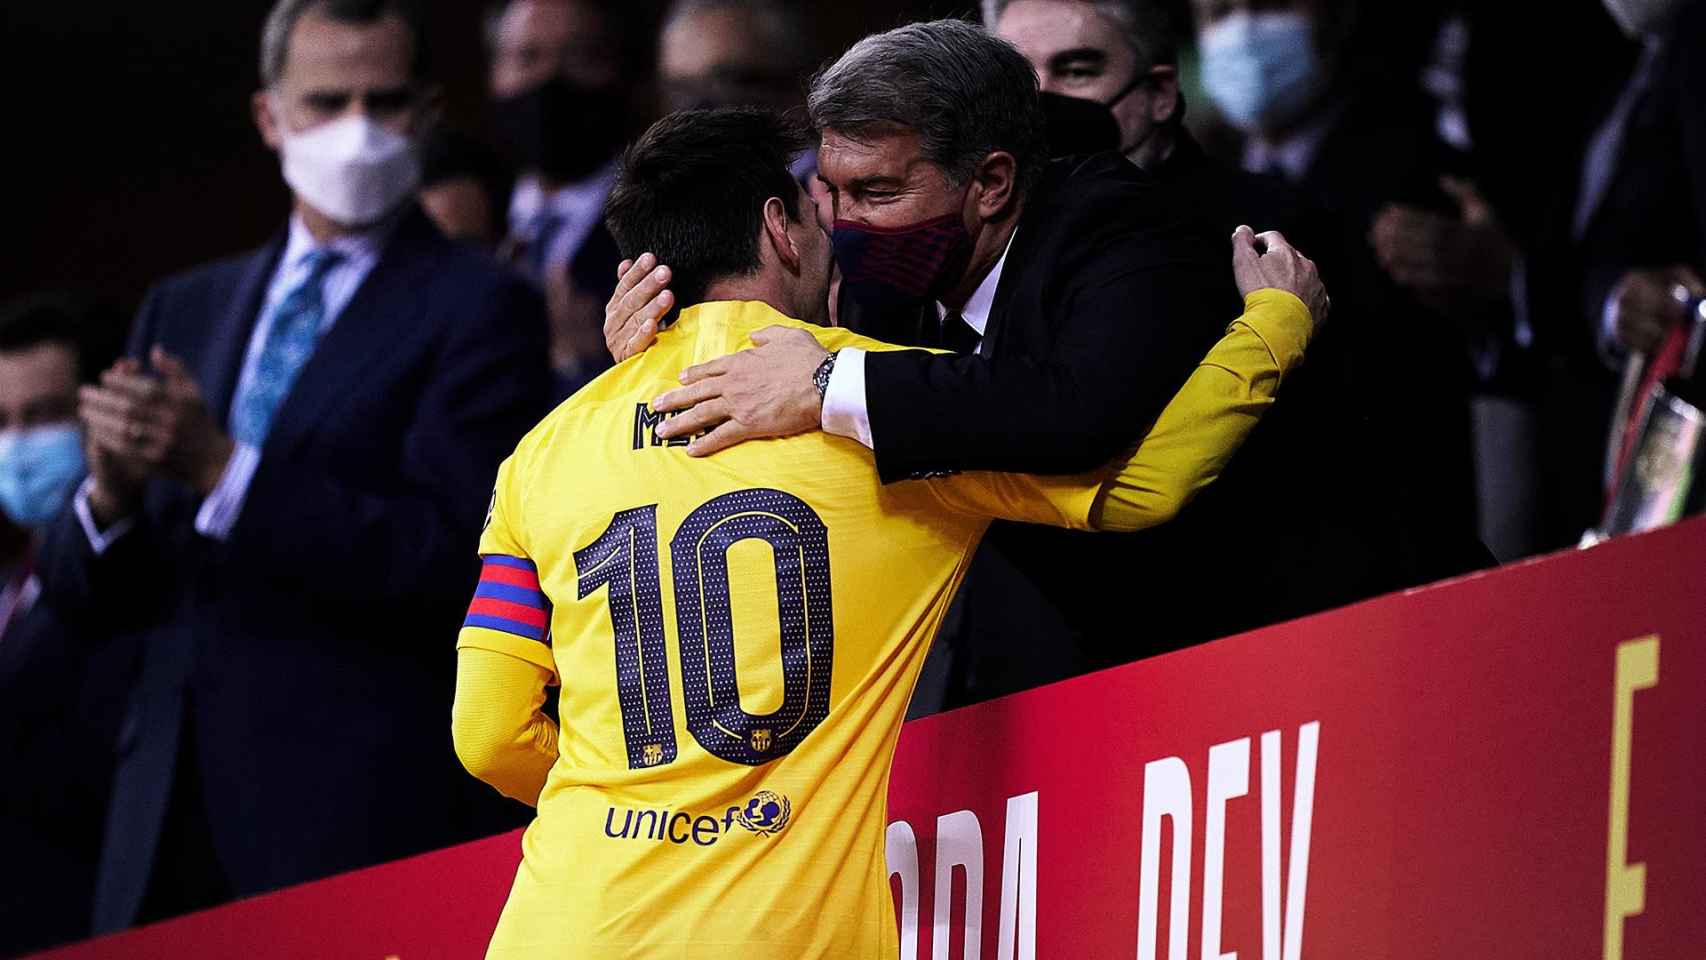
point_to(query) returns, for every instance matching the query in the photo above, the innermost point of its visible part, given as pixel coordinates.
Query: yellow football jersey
(737, 638)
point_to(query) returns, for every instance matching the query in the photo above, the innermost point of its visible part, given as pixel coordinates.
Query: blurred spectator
(1641, 212)
(1334, 547)
(1281, 75)
(1118, 53)
(287, 474)
(58, 707)
(464, 188)
(736, 53)
(561, 76)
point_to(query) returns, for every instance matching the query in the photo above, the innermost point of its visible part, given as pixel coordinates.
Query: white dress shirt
(359, 252)
(578, 206)
(845, 411)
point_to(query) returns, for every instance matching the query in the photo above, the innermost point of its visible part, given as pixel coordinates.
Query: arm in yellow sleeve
(501, 734)
(1209, 418)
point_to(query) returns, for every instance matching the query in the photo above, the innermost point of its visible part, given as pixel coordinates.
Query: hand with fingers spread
(1267, 261)
(640, 301)
(1646, 303)
(767, 391)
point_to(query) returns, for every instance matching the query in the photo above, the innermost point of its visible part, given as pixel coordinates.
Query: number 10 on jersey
(624, 559)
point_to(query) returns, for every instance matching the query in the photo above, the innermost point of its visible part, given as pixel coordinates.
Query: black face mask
(563, 130)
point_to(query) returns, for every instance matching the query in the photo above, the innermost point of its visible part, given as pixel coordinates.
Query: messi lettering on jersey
(646, 425)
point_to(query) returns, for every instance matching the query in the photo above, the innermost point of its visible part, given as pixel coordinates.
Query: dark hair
(90, 333)
(281, 22)
(966, 93)
(692, 191)
(632, 27)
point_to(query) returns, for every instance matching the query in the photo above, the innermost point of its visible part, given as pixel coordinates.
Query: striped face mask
(886, 268)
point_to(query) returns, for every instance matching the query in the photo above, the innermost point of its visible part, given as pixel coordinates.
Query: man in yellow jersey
(737, 636)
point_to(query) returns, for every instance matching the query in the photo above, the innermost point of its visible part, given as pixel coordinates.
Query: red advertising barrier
(1510, 765)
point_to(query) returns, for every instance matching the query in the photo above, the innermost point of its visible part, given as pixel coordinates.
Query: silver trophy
(1656, 485)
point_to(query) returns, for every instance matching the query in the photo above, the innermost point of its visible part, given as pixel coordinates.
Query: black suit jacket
(59, 712)
(1653, 212)
(312, 652)
(1112, 290)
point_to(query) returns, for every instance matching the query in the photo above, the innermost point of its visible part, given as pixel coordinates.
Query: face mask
(1640, 18)
(563, 130)
(889, 268)
(39, 470)
(1077, 126)
(352, 170)
(1261, 70)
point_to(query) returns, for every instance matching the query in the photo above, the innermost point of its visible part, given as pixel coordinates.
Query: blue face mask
(39, 470)
(1262, 70)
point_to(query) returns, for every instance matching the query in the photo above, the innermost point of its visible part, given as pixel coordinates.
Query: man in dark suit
(560, 82)
(287, 476)
(1076, 304)
(59, 708)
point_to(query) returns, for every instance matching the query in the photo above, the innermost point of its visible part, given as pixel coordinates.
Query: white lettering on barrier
(1228, 778)
(959, 843)
(902, 854)
(1302, 815)
(1018, 940)
(1166, 793)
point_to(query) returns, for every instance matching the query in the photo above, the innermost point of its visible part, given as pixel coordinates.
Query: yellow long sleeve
(1204, 424)
(501, 734)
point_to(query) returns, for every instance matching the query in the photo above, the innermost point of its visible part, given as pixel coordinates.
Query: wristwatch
(820, 379)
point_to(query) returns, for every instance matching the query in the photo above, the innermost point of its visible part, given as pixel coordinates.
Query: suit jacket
(1291, 527)
(1111, 292)
(1653, 212)
(312, 652)
(59, 713)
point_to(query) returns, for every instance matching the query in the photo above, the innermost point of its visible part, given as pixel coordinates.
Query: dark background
(130, 153)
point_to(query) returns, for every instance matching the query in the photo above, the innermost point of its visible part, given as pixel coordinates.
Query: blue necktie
(290, 342)
(544, 229)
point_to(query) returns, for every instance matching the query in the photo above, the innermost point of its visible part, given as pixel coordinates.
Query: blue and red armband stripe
(509, 600)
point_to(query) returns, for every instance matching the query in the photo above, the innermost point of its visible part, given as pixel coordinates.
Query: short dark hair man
(695, 815)
(287, 471)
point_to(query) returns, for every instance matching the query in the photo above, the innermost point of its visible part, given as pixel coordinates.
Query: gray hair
(964, 91)
(1145, 24)
(281, 23)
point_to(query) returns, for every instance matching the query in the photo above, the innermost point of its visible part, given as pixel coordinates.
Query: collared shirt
(360, 253)
(845, 411)
(577, 208)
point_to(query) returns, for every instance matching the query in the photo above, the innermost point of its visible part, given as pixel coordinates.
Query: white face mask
(352, 170)
(1639, 18)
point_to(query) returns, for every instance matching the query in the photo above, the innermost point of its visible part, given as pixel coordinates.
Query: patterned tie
(290, 342)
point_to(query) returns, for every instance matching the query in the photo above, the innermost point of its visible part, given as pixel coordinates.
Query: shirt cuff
(219, 512)
(844, 410)
(99, 540)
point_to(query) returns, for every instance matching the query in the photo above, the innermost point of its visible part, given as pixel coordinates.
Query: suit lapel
(383, 308)
(223, 362)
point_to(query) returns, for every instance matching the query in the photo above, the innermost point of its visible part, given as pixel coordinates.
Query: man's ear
(776, 222)
(260, 105)
(997, 179)
(1164, 103)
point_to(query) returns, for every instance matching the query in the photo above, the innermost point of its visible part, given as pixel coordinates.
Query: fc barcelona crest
(761, 740)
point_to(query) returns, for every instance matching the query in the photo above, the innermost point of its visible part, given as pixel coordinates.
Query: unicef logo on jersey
(766, 814)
